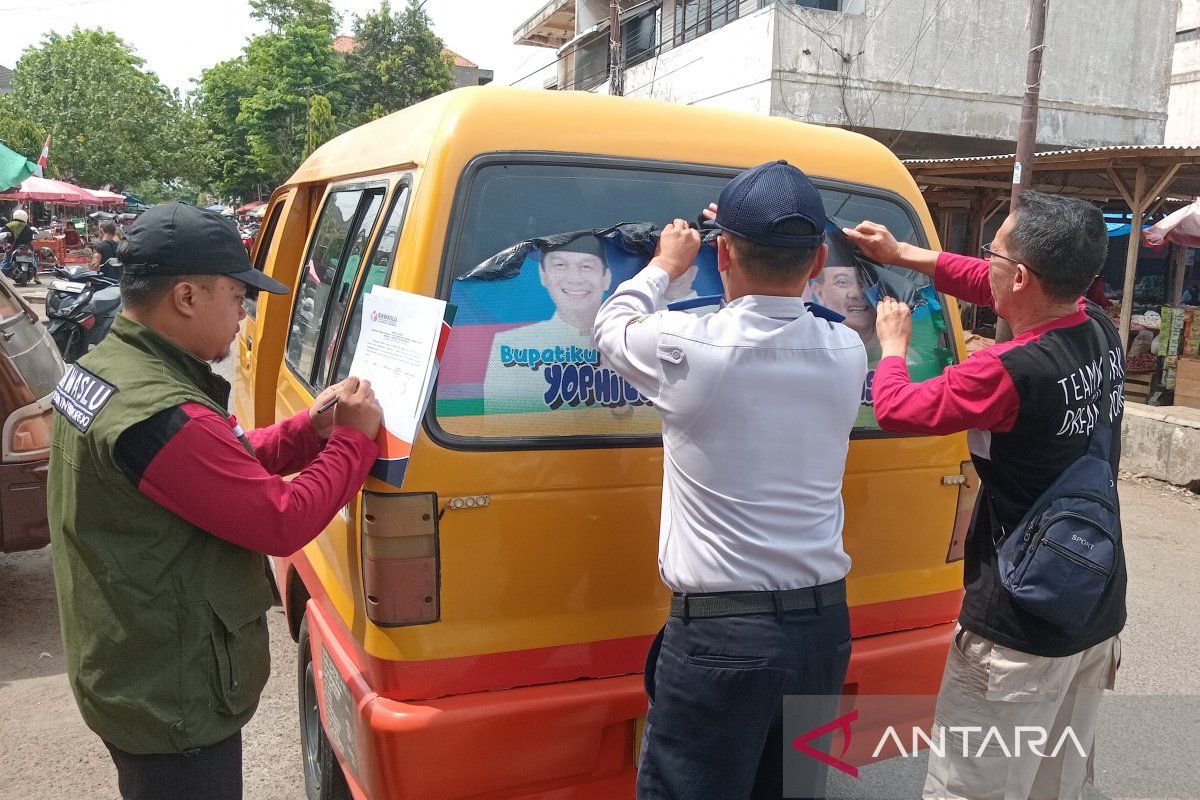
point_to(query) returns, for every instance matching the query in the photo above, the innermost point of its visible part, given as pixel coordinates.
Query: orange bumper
(563, 741)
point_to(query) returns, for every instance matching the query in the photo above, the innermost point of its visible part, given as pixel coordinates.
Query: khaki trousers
(1036, 721)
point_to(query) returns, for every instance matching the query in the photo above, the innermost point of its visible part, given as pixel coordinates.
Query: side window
(339, 226)
(266, 245)
(345, 281)
(378, 270)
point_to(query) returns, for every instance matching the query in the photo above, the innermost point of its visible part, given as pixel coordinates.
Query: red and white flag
(44, 158)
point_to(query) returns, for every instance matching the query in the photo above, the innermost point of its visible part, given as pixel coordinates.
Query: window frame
(362, 186)
(707, 19)
(841, 5)
(453, 241)
(263, 249)
(630, 57)
(403, 185)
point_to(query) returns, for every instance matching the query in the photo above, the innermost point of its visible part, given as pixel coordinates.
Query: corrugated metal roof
(1112, 150)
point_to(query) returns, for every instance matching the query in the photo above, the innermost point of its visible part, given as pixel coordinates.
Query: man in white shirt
(757, 404)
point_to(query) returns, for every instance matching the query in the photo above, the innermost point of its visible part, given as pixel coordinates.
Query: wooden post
(1179, 262)
(975, 234)
(1137, 203)
(1027, 132)
(616, 73)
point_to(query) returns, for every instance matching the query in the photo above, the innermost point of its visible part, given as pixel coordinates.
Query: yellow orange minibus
(480, 631)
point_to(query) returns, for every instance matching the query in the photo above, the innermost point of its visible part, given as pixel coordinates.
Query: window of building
(640, 35)
(591, 62)
(823, 5)
(695, 18)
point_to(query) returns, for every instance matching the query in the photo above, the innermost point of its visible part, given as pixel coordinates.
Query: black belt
(732, 604)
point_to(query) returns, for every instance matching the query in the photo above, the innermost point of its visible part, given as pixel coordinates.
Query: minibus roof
(461, 124)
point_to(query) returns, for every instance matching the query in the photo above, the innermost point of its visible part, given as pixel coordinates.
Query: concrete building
(1183, 111)
(465, 72)
(5, 80)
(468, 73)
(925, 77)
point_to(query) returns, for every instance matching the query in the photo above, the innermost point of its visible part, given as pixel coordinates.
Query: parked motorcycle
(81, 306)
(23, 265)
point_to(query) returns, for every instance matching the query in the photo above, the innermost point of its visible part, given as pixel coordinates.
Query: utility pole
(616, 73)
(1027, 132)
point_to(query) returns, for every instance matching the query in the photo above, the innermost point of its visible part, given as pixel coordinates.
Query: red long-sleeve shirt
(978, 393)
(190, 460)
(1030, 406)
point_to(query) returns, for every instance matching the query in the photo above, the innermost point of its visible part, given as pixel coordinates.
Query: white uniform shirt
(757, 404)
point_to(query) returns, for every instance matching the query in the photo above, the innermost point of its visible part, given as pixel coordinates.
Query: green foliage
(257, 105)
(321, 125)
(155, 191)
(398, 61)
(281, 14)
(110, 119)
(218, 101)
(250, 121)
(18, 132)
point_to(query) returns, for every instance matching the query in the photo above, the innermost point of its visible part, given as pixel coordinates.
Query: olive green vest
(164, 624)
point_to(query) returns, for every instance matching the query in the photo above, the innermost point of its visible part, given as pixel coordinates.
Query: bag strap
(1104, 406)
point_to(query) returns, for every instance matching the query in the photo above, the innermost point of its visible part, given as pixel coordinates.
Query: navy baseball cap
(180, 239)
(773, 204)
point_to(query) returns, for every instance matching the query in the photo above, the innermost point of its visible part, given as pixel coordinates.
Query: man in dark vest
(161, 508)
(1029, 407)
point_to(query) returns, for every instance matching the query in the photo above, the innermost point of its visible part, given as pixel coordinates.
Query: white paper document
(399, 342)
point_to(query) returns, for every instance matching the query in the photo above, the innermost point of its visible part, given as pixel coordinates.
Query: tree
(110, 119)
(321, 125)
(286, 69)
(399, 61)
(281, 14)
(256, 106)
(218, 101)
(17, 132)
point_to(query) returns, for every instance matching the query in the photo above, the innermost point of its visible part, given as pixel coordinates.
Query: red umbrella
(109, 198)
(84, 197)
(1181, 227)
(44, 190)
(250, 206)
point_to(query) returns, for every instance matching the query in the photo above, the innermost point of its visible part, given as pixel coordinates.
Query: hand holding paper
(401, 339)
(358, 408)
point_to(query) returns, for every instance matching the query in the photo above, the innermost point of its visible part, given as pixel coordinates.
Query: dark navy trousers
(714, 729)
(205, 773)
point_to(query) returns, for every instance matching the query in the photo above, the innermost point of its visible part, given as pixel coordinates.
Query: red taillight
(88, 321)
(400, 560)
(968, 491)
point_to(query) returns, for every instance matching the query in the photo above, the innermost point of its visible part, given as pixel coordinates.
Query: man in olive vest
(161, 508)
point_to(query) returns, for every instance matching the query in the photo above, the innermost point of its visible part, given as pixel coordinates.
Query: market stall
(969, 199)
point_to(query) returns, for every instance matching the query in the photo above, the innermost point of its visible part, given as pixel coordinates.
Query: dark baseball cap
(587, 243)
(773, 204)
(180, 239)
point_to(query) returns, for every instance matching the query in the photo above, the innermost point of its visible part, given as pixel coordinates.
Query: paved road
(35, 295)
(46, 753)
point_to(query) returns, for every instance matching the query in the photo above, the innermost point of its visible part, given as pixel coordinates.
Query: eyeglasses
(989, 253)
